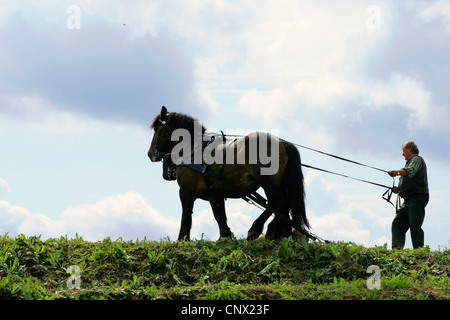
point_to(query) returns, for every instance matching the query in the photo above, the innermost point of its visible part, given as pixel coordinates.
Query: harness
(254, 198)
(170, 168)
(169, 173)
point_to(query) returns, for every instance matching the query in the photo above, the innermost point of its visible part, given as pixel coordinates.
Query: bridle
(158, 153)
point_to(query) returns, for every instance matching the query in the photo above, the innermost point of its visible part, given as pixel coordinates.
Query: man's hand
(393, 173)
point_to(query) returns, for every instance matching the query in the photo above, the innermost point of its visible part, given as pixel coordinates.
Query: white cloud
(354, 212)
(435, 10)
(240, 216)
(340, 226)
(298, 65)
(127, 215)
(331, 94)
(271, 106)
(36, 112)
(346, 211)
(316, 136)
(4, 189)
(11, 218)
(382, 240)
(292, 60)
(287, 41)
(403, 91)
(298, 58)
(205, 97)
(359, 218)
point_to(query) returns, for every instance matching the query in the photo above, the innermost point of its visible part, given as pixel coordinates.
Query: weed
(31, 268)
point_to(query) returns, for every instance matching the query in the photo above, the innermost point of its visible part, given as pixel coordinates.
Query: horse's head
(161, 142)
(184, 127)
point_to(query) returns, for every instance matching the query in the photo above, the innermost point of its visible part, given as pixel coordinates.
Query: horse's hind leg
(258, 225)
(218, 208)
(278, 227)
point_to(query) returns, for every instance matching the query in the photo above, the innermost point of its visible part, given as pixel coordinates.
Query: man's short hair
(411, 145)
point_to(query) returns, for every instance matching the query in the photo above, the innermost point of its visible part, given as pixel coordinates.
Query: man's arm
(413, 167)
(394, 173)
(410, 170)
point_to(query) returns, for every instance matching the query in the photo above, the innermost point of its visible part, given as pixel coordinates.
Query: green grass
(31, 268)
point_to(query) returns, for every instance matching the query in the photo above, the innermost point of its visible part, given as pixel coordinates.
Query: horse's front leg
(187, 203)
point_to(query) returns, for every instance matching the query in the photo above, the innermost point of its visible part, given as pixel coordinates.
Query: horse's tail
(295, 191)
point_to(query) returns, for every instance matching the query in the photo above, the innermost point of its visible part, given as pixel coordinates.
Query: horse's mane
(155, 121)
(177, 121)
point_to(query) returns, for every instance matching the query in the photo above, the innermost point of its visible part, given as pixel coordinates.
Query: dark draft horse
(284, 189)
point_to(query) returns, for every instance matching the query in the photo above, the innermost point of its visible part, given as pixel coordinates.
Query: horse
(283, 188)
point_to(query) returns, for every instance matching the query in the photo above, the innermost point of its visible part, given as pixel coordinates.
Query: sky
(80, 82)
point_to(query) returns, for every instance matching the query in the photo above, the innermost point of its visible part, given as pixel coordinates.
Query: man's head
(409, 149)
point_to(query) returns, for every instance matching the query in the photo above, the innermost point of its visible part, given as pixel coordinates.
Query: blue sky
(356, 78)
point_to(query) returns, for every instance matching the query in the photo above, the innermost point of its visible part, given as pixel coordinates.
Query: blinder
(158, 153)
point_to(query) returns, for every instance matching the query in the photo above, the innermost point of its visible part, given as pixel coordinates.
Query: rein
(386, 195)
(340, 158)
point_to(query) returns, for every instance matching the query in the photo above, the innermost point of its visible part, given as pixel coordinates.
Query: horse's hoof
(252, 235)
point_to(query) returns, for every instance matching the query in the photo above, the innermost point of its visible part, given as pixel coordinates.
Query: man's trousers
(410, 216)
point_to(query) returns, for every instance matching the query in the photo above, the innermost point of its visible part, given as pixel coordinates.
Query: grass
(31, 268)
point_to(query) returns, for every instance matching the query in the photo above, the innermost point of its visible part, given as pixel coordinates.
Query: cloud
(321, 64)
(313, 69)
(341, 226)
(437, 219)
(127, 215)
(334, 215)
(436, 10)
(352, 211)
(346, 210)
(96, 70)
(36, 112)
(12, 217)
(405, 92)
(276, 60)
(274, 103)
(240, 216)
(4, 189)
(350, 110)
(417, 49)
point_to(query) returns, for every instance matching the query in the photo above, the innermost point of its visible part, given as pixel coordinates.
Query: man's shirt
(413, 166)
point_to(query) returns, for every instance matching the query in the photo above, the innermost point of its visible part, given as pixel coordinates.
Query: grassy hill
(31, 268)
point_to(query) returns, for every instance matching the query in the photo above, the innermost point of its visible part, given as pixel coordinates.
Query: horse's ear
(163, 114)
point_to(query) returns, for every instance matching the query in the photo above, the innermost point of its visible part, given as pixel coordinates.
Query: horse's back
(242, 162)
(257, 152)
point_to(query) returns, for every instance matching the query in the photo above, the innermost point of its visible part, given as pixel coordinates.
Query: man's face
(407, 153)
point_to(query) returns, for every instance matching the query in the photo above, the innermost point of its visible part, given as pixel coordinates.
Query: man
(413, 188)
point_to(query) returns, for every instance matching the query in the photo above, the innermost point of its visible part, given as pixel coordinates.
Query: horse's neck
(198, 146)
